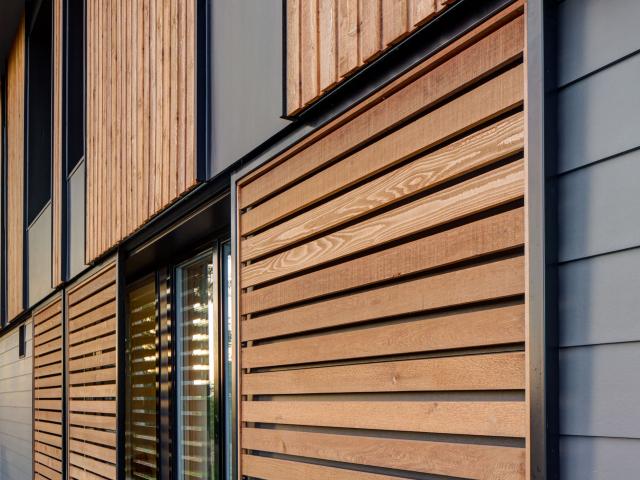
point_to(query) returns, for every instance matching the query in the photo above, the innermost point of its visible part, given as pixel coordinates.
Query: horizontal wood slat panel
(473, 372)
(382, 266)
(505, 419)
(364, 30)
(492, 281)
(92, 391)
(494, 143)
(47, 389)
(141, 75)
(489, 190)
(479, 328)
(440, 458)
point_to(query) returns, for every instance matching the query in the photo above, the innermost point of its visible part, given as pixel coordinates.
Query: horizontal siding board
(611, 315)
(598, 393)
(585, 458)
(607, 106)
(591, 209)
(586, 27)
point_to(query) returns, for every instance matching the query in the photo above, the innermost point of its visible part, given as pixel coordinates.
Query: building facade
(323, 239)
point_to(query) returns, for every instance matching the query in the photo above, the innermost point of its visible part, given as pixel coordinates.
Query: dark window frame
(164, 274)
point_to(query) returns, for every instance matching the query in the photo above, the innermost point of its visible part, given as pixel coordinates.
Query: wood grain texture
(15, 173)
(467, 242)
(395, 19)
(439, 458)
(141, 115)
(496, 280)
(92, 391)
(471, 372)
(491, 189)
(364, 30)
(438, 78)
(382, 275)
(327, 43)
(498, 419)
(47, 388)
(491, 144)
(271, 468)
(466, 329)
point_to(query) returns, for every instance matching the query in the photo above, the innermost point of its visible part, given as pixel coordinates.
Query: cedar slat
(309, 49)
(394, 21)
(420, 11)
(477, 150)
(293, 55)
(471, 372)
(327, 43)
(499, 419)
(476, 328)
(440, 458)
(439, 79)
(271, 468)
(347, 36)
(491, 281)
(489, 190)
(369, 30)
(497, 96)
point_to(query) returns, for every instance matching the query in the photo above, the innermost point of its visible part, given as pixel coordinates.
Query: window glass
(198, 359)
(142, 382)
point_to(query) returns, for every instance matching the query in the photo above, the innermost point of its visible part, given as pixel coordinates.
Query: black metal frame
(541, 240)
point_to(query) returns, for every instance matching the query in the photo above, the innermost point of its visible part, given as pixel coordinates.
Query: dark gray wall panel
(247, 75)
(16, 415)
(595, 33)
(599, 299)
(39, 239)
(594, 205)
(600, 115)
(584, 458)
(76, 234)
(599, 390)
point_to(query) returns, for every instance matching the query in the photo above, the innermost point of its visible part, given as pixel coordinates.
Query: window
(22, 341)
(39, 110)
(75, 84)
(176, 390)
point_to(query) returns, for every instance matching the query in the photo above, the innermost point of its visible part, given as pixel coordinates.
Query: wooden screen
(47, 392)
(15, 173)
(92, 372)
(140, 113)
(328, 40)
(382, 281)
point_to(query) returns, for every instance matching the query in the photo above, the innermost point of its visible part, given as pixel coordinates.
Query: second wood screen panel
(382, 280)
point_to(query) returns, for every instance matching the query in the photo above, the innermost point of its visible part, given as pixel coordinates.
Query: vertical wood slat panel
(15, 173)
(57, 164)
(47, 389)
(327, 40)
(91, 399)
(141, 114)
(355, 324)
